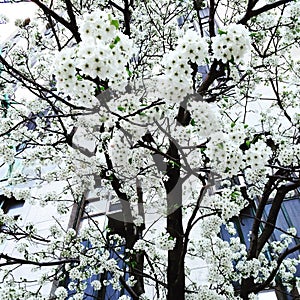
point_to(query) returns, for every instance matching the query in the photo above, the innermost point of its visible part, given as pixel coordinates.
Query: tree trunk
(247, 286)
(175, 273)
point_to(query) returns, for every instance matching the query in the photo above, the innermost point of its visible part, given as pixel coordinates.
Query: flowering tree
(160, 101)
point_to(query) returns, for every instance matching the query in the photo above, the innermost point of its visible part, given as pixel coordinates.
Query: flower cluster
(140, 245)
(165, 242)
(192, 47)
(11, 290)
(104, 50)
(289, 155)
(61, 293)
(177, 80)
(204, 117)
(258, 155)
(221, 259)
(228, 203)
(231, 44)
(225, 155)
(103, 53)
(206, 292)
(7, 153)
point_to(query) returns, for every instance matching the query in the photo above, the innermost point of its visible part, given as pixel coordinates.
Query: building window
(89, 293)
(288, 217)
(103, 211)
(106, 292)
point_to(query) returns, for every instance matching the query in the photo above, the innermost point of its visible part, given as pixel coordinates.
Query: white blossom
(61, 293)
(232, 43)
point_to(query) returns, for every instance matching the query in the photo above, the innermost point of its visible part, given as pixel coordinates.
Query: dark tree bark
(175, 271)
(175, 274)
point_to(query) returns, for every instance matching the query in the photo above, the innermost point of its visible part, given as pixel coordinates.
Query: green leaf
(121, 108)
(115, 42)
(174, 163)
(128, 72)
(133, 264)
(202, 149)
(220, 146)
(232, 124)
(115, 23)
(193, 123)
(248, 143)
(234, 195)
(227, 169)
(221, 32)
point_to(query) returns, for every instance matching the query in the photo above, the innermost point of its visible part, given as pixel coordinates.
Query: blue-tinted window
(89, 293)
(242, 224)
(288, 217)
(109, 292)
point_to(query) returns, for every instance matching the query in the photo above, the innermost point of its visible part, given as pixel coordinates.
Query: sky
(14, 11)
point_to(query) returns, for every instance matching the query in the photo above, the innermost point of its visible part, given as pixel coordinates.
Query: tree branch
(273, 214)
(13, 261)
(72, 26)
(252, 13)
(272, 275)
